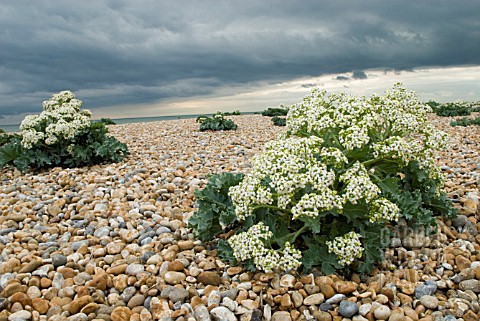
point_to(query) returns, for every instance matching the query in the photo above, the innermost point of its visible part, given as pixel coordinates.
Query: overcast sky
(156, 53)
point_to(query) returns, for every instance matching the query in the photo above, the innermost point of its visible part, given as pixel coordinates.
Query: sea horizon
(14, 128)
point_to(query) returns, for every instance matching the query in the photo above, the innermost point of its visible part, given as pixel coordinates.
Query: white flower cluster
(284, 167)
(354, 137)
(347, 248)
(396, 147)
(312, 204)
(383, 210)
(397, 115)
(332, 155)
(61, 118)
(358, 184)
(250, 245)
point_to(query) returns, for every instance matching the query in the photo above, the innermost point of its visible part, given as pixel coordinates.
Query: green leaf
(313, 223)
(374, 239)
(215, 208)
(389, 186)
(9, 153)
(318, 255)
(225, 252)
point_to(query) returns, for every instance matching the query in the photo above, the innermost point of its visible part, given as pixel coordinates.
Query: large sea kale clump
(345, 170)
(61, 135)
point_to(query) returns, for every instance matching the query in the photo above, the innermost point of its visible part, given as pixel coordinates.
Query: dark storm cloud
(126, 52)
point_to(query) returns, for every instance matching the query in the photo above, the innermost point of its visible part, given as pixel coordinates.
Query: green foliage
(10, 149)
(466, 122)
(62, 135)
(216, 122)
(432, 103)
(278, 111)
(279, 121)
(5, 137)
(452, 109)
(233, 113)
(107, 121)
(215, 209)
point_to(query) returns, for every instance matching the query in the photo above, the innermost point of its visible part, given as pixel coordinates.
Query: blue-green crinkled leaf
(215, 208)
(389, 186)
(318, 255)
(374, 239)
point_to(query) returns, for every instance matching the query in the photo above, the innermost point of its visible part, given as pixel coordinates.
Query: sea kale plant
(62, 135)
(216, 122)
(327, 191)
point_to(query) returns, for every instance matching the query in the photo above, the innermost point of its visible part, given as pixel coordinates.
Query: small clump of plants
(465, 121)
(107, 121)
(328, 191)
(233, 113)
(216, 122)
(61, 135)
(452, 109)
(275, 111)
(279, 121)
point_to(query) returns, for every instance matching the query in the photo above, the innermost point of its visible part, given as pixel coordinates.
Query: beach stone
(201, 313)
(172, 277)
(326, 306)
(297, 299)
(160, 308)
(428, 288)
(322, 316)
(429, 301)
(128, 235)
(12, 288)
(473, 285)
(31, 266)
(382, 312)
(314, 299)
(20, 315)
(174, 293)
(121, 314)
(135, 301)
(186, 245)
(364, 309)
(77, 304)
(117, 269)
(41, 305)
(345, 287)
(348, 309)
(336, 299)
(21, 298)
(327, 290)
(281, 316)
(134, 269)
(462, 262)
(90, 308)
(209, 278)
(58, 260)
(9, 266)
(176, 266)
(222, 314)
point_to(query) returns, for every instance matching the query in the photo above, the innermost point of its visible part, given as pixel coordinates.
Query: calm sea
(15, 127)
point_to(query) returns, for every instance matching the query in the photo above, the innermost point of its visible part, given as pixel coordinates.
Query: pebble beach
(110, 242)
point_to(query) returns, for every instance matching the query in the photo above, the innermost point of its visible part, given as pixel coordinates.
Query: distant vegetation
(279, 121)
(62, 135)
(466, 122)
(107, 121)
(454, 108)
(233, 113)
(216, 122)
(282, 110)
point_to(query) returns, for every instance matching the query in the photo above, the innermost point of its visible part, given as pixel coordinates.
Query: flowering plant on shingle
(345, 168)
(62, 135)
